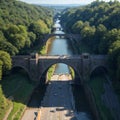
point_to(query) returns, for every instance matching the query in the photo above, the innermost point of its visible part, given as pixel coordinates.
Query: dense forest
(99, 26)
(22, 26)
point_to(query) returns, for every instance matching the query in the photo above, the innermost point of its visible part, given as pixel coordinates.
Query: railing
(60, 57)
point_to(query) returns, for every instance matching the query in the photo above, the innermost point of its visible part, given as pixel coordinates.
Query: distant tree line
(99, 26)
(22, 26)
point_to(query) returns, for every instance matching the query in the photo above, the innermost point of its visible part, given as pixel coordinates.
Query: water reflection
(59, 47)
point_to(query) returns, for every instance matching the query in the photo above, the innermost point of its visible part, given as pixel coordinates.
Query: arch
(72, 66)
(47, 36)
(26, 70)
(101, 68)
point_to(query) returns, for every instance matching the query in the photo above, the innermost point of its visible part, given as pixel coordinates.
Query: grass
(51, 71)
(19, 88)
(96, 85)
(42, 51)
(17, 111)
(72, 72)
(48, 43)
(5, 104)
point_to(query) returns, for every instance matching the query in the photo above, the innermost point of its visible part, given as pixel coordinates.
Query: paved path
(30, 114)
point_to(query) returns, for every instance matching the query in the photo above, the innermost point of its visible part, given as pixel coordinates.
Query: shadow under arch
(99, 70)
(77, 79)
(21, 69)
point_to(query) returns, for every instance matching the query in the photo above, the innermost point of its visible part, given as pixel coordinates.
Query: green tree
(39, 28)
(6, 61)
(77, 27)
(8, 47)
(1, 64)
(109, 38)
(99, 33)
(32, 37)
(17, 35)
(87, 34)
(2, 37)
(115, 45)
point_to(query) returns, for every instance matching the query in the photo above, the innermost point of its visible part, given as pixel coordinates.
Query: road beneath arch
(58, 102)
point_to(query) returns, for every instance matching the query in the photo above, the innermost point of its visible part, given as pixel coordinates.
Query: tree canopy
(5, 61)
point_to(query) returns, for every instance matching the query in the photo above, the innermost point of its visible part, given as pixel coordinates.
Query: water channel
(59, 46)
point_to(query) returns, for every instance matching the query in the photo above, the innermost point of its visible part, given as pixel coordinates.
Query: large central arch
(72, 66)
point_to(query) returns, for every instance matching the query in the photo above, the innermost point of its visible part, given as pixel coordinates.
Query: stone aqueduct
(83, 65)
(62, 35)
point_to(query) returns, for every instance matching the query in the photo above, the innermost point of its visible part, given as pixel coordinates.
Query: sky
(60, 1)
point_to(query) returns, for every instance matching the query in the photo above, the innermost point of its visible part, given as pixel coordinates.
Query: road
(57, 103)
(30, 114)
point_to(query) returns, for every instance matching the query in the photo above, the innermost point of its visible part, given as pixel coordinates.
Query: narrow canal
(59, 46)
